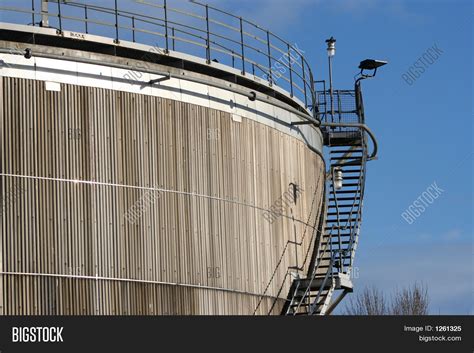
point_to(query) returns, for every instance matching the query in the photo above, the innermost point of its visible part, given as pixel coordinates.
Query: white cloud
(452, 234)
(279, 15)
(276, 15)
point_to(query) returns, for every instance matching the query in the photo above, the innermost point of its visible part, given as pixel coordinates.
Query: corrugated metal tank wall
(69, 247)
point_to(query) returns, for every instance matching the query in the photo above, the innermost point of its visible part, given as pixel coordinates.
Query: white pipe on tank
(44, 14)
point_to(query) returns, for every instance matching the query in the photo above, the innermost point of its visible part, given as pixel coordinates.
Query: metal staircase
(330, 272)
(342, 124)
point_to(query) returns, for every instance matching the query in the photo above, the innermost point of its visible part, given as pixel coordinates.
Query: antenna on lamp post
(331, 42)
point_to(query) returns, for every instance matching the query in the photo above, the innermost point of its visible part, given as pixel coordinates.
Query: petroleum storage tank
(140, 179)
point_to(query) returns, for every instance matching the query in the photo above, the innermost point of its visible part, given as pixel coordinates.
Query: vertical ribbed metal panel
(67, 248)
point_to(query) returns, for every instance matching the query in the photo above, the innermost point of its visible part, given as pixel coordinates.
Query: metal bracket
(343, 281)
(293, 123)
(336, 302)
(161, 79)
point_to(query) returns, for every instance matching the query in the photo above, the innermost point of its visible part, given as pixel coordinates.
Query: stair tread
(341, 213)
(343, 205)
(339, 227)
(345, 192)
(342, 158)
(335, 220)
(345, 257)
(344, 199)
(335, 236)
(346, 151)
(345, 242)
(314, 284)
(351, 178)
(345, 164)
(356, 170)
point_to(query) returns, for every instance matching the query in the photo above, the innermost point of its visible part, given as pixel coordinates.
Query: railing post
(314, 97)
(173, 41)
(359, 103)
(208, 38)
(339, 106)
(167, 49)
(242, 47)
(269, 53)
(325, 102)
(291, 70)
(116, 24)
(133, 29)
(33, 12)
(60, 18)
(330, 240)
(304, 82)
(86, 18)
(332, 267)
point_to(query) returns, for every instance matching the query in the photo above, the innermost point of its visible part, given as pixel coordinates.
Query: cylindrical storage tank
(127, 192)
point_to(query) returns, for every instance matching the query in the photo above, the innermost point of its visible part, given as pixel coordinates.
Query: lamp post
(331, 42)
(368, 69)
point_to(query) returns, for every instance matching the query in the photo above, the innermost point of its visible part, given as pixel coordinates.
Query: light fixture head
(371, 64)
(331, 42)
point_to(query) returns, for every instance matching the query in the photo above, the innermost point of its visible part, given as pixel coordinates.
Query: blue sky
(424, 130)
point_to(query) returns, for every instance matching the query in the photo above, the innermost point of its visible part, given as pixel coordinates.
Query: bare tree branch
(412, 300)
(371, 301)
